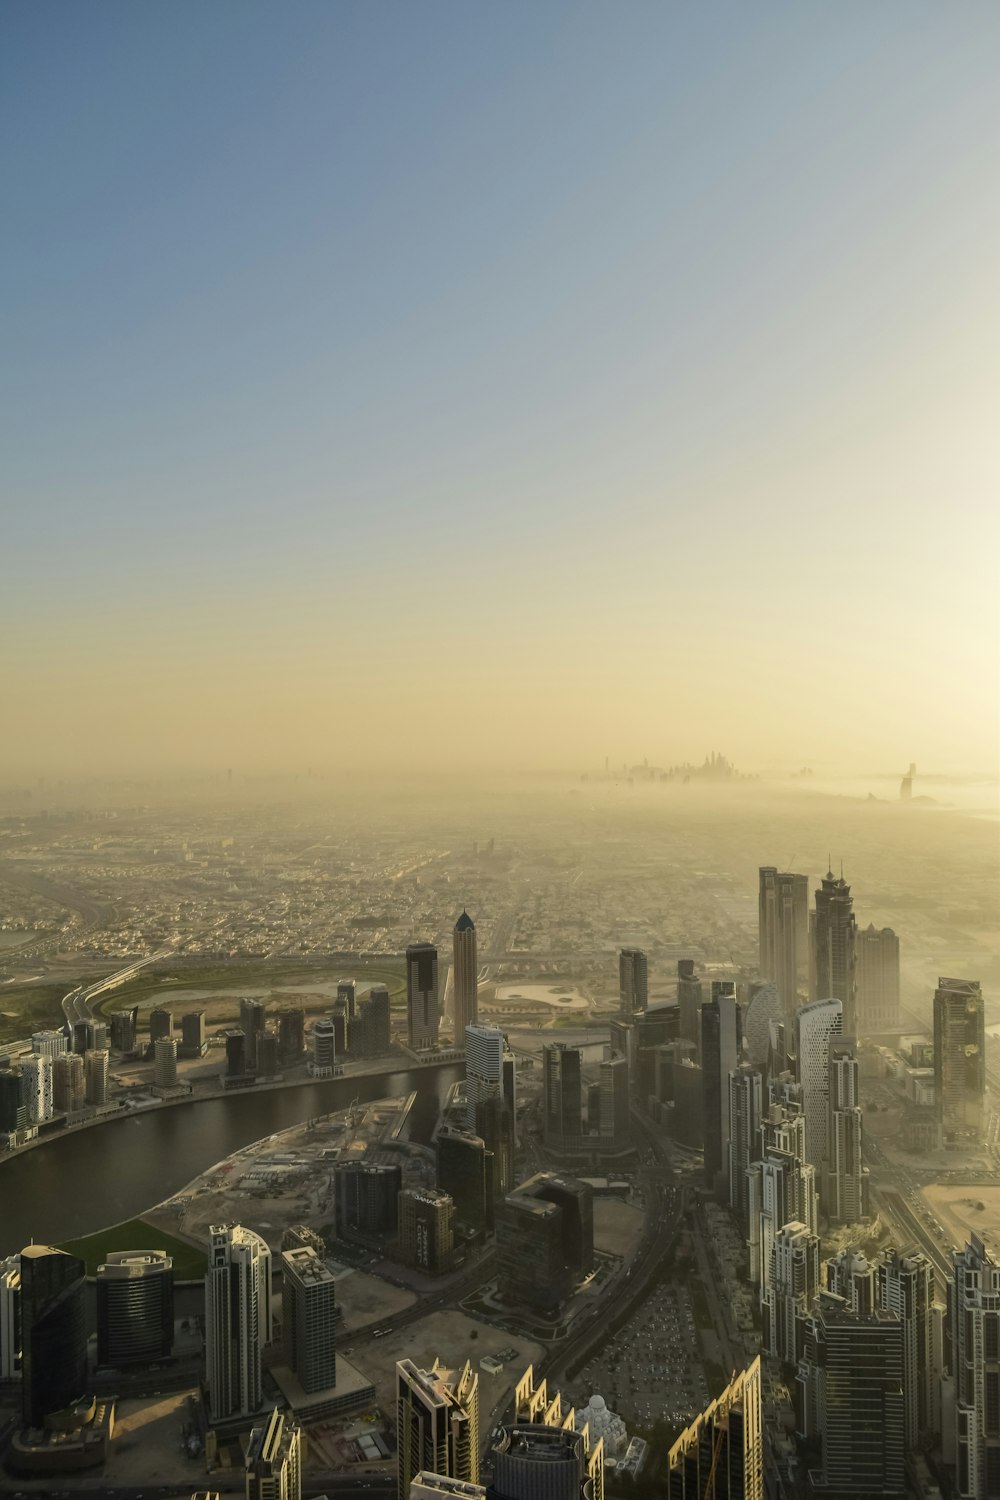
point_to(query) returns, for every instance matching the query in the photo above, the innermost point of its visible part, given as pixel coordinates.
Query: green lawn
(135, 1234)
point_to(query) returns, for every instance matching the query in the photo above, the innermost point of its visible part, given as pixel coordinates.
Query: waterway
(83, 1181)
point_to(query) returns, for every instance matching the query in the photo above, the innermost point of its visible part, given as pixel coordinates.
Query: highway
(76, 1005)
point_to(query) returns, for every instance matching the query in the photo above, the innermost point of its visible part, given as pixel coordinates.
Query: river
(85, 1180)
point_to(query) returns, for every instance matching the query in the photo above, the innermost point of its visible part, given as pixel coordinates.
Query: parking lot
(651, 1370)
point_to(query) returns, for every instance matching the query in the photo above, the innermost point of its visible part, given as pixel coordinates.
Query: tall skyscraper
(833, 936)
(274, 1459)
(721, 1455)
(792, 1288)
(437, 1424)
(422, 1008)
(465, 976)
(165, 1062)
(906, 1288)
(236, 1054)
(850, 1275)
(161, 1023)
(959, 1059)
(366, 1197)
(783, 925)
(309, 1311)
(253, 1021)
(237, 1319)
(426, 1229)
(124, 1030)
(721, 1041)
(816, 1024)
(846, 1179)
(324, 1047)
(614, 1115)
(13, 1101)
(562, 1090)
(877, 980)
(529, 1472)
(633, 981)
(95, 1071)
(291, 1034)
(347, 996)
(10, 1318)
(68, 1086)
(465, 1168)
(974, 1324)
(745, 1095)
(373, 1024)
(485, 1047)
(689, 1002)
(781, 1190)
(53, 1331)
(193, 1041)
(135, 1308)
(545, 1240)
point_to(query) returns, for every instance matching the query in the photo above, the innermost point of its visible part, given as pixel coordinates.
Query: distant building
(783, 926)
(633, 981)
(236, 1054)
(422, 1007)
(49, 1043)
(135, 1308)
(721, 1455)
(846, 1181)
(495, 1126)
(545, 1240)
(743, 1146)
(194, 1042)
(485, 1048)
(426, 1229)
(437, 1424)
(347, 996)
(68, 1085)
(309, 1313)
(53, 1331)
(465, 976)
(877, 980)
(689, 1001)
(95, 1072)
(291, 1035)
(833, 936)
(161, 1024)
(124, 1030)
(165, 1063)
(721, 1042)
(792, 1288)
(782, 1190)
(324, 1047)
(253, 1022)
(366, 1198)
(274, 1459)
(562, 1103)
(371, 1034)
(237, 1319)
(465, 1173)
(816, 1025)
(614, 1121)
(37, 1074)
(959, 1059)
(268, 1057)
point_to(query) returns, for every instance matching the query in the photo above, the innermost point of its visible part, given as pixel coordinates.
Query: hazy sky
(516, 382)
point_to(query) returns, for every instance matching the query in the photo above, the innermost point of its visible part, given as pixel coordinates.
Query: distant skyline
(499, 386)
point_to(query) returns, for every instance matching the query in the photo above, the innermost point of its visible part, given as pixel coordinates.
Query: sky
(499, 385)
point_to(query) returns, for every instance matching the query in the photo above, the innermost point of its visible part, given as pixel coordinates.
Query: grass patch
(25, 1008)
(136, 1234)
(252, 978)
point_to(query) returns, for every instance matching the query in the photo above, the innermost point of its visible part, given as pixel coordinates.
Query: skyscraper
(878, 980)
(253, 1020)
(193, 1042)
(161, 1023)
(68, 1087)
(366, 1197)
(721, 1041)
(689, 1002)
(347, 996)
(745, 1094)
(974, 1323)
(846, 1179)
(783, 930)
(465, 1170)
(124, 1030)
(13, 1100)
(721, 1455)
(373, 1024)
(53, 1331)
(959, 1058)
(781, 1190)
(484, 1054)
(95, 1070)
(562, 1090)
(633, 983)
(274, 1459)
(237, 1319)
(426, 1229)
(422, 1010)
(906, 1288)
(437, 1424)
(165, 1062)
(135, 1308)
(324, 1047)
(10, 1318)
(792, 1288)
(833, 935)
(816, 1024)
(291, 1034)
(309, 1310)
(465, 976)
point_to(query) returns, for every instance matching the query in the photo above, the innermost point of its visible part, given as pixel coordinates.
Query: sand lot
(366, 1299)
(958, 1211)
(617, 1226)
(147, 1443)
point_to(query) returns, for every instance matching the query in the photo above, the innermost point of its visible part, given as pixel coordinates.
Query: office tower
(877, 980)
(614, 1122)
(536, 1409)
(13, 1101)
(68, 1088)
(274, 1459)
(783, 1128)
(101, 1036)
(465, 1173)
(83, 1036)
(426, 1229)
(193, 1041)
(783, 928)
(135, 1308)
(852, 1378)
(161, 1024)
(236, 1054)
(324, 1046)
(253, 1020)
(53, 1331)
(124, 1030)
(237, 1319)
(763, 1018)
(906, 1288)
(422, 1011)
(745, 1095)
(846, 1181)
(95, 1072)
(347, 996)
(545, 1239)
(816, 1024)
(49, 1043)
(267, 1054)
(792, 1288)
(165, 1063)
(539, 1461)
(342, 1028)
(465, 976)
(373, 1025)
(309, 1312)
(10, 1318)
(562, 1090)
(37, 1075)
(781, 1190)
(495, 1126)
(851, 1276)
(437, 1424)
(833, 934)
(484, 1053)
(721, 1455)
(721, 1041)
(633, 983)
(689, 1001)
(686, 1123)
(366, 1198)
(959, 1058)
(974, 1325)
(291, 1035)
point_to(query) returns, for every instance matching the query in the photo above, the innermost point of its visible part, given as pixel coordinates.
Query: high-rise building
(846, 1179)
(721, 1455)
(783, 920)
(236, 1054)
(95, 1071)
(68, 1087)
(959, 1058)
(347, 996)
(135, 1308)
(371, 1035)
(274, 1459)
(83, 1036)
(10, 1318)
(422, 1007)
(633, 982)
(850, 1275)
(465, 1173)
(253, 1021)
(721, 1041)
(541, 1461)
(366, 1198)
(13, 1100)
(437, 1424)
(562, 1091)
(53, 1331)
(545, 1239)
(906, 1288)
(426, 1229)
(816, 1024)
(165, 1062)
(268, 1053)
(614, 1122)
(324, 1047)
(833, 934)
(877, 980)
(689, 1002)
(237, 1319)
(781, 1190)
(495, 1127)
(37, 1074)
(485, 1047)
(291, 1035)
(309, 1312)
(49, 1043)
(792, 1289)
(124, 1030)
(465, 976)
(193, 1041)
(743, 1146)
(974, 1326)
(161, 1024)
